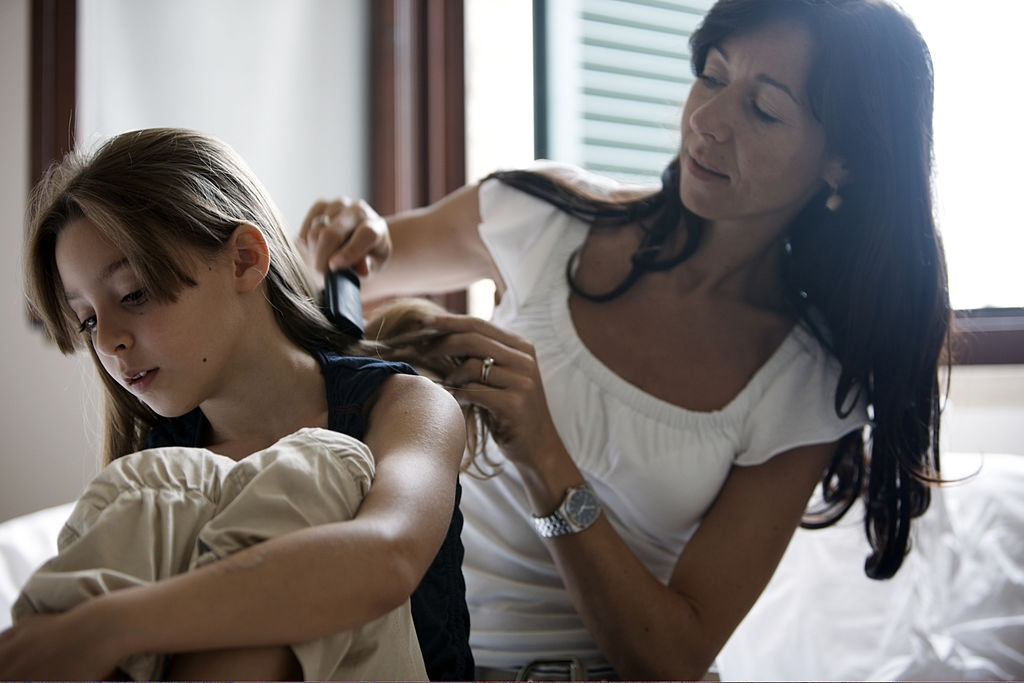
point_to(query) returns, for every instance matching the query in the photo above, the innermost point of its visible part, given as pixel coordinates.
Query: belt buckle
(576, 668)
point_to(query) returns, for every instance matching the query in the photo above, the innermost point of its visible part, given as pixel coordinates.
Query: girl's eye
(88, 325)
(136, 298)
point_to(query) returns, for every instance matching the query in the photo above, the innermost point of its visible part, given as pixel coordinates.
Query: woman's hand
(344, 234)
(53, 646)
(499, 374)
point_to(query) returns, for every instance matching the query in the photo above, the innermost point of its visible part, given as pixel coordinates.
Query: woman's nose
(712, 118)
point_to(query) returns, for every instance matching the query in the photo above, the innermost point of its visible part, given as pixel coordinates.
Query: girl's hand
(52, 646)
(344, 234)
(499, 374)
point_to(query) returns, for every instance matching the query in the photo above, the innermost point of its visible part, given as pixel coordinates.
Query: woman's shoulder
(792, 401)
(586, 182)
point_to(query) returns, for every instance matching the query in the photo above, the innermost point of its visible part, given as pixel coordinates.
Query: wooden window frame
(989, 336)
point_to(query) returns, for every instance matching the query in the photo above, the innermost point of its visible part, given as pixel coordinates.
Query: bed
(955, 611)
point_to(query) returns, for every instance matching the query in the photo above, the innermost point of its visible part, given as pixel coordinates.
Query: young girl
(162, 255)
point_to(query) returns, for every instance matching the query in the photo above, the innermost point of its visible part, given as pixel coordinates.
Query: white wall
(46, 456)
(283, 81)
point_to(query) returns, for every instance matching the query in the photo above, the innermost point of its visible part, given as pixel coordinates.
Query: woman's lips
(703, 172)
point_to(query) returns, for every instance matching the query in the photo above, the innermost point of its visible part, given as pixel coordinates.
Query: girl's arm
(289, 589)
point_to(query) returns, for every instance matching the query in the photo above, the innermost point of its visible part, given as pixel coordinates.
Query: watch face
(582, 508)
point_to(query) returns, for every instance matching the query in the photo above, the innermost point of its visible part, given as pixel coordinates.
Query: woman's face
(751, 151)
(168, 354)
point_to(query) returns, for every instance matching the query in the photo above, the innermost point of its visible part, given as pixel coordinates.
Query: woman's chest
(693, 357)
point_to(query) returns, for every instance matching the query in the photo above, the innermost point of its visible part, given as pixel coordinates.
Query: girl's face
(751, 149)
(169, 354)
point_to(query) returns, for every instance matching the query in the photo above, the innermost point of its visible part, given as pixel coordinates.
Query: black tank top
(439, 608)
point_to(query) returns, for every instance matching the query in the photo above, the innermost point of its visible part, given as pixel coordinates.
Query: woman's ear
(836, 175)
(251, 256)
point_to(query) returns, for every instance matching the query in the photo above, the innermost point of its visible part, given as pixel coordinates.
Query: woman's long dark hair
(868, 280)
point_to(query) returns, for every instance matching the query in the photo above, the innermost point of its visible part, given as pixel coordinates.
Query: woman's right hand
(344, 233)
(428, 250)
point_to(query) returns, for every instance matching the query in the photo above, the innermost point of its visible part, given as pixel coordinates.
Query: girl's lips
(699, 170)
(140, 381)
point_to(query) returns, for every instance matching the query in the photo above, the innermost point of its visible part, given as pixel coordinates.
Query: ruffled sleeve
(527, 236)
(797, 406)
(521, 232)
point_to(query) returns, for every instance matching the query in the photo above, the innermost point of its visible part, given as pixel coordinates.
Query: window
(614, 74)
(978, 145)
(617, 73)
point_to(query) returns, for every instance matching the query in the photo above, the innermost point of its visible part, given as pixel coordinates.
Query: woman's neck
(745, 265)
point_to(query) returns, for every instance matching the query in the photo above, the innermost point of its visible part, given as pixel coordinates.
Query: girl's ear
(251, 256)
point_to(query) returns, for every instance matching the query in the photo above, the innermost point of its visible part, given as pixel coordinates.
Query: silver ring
(322, 218)
(485, 369)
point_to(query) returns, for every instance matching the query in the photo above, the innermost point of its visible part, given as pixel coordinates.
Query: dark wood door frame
(418, 122)
(52, 64)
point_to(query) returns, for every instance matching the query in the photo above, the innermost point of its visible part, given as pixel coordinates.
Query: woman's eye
(88, 325)
(762, 114)
(710, 80)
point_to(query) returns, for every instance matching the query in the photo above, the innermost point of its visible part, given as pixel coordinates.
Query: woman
(670, 374)
(163, 257)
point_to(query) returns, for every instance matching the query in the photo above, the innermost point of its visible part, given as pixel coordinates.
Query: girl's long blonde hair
(164, 196)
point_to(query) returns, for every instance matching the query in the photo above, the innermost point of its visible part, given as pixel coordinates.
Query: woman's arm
(289, 589)
(427, 250)
(645, 629)
(651, 631)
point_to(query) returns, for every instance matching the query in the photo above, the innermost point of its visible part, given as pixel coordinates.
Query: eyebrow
(761, 78)
(105, 274)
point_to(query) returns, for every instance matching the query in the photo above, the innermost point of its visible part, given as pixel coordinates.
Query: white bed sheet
(25, 543)
(955, 611)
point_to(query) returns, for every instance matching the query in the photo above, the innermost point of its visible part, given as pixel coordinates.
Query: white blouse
(655, 467)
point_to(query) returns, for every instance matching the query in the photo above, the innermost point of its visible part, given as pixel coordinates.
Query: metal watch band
(552, 525)
(577, 511)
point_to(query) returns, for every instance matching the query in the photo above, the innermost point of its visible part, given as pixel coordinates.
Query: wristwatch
(579, 509)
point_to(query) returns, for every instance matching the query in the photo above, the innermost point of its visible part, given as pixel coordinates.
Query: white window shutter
(617, 74)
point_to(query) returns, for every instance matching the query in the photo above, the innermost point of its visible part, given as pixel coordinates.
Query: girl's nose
(111, 338)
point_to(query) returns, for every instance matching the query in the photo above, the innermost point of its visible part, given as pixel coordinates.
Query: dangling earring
(834, 201)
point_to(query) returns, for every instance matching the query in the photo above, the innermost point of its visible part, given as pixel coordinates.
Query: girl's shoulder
(352, 383)
(354, 379)
(335, 363)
